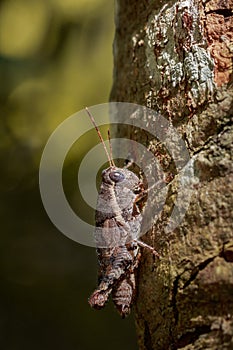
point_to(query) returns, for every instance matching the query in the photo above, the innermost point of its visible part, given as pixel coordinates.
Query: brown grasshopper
(118, 221)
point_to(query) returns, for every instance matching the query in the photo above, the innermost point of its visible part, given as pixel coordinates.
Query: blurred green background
(55, 59)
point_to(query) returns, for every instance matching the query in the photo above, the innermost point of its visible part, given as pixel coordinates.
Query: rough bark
(176, 57)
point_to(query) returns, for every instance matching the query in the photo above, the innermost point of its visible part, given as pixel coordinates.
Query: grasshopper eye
(116, 176)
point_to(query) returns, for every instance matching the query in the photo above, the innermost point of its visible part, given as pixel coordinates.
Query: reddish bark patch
(219, 28)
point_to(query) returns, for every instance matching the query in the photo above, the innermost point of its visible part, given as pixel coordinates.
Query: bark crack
(214, 138)
(197, 269)
(176, 283)
(227, 252)
(223, 12)
(191, 336)
(147, 337)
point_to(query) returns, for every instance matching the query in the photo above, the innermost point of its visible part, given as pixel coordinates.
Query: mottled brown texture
(171, 56)
(116, 231)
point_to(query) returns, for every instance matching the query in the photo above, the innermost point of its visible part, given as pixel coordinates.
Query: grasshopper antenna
(110, 147)
(111, 163)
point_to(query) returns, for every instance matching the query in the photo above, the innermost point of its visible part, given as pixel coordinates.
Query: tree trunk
(176, 58)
